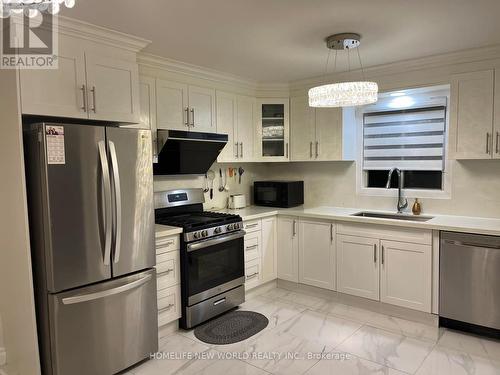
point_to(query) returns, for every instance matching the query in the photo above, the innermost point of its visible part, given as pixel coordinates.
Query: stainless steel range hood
(184, 153)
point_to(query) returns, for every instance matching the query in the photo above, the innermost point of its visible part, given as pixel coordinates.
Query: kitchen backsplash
(475, 189)
(252, 172)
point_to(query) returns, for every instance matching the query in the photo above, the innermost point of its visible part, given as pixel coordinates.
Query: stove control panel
(211, 232)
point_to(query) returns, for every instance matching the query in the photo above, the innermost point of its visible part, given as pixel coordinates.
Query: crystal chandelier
(343, 94)
(32, 8)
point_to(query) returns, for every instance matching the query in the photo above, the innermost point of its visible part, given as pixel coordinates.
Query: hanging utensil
(226, 185)
(211, 178)
(240, 173)
(221, 182)
(205, 184)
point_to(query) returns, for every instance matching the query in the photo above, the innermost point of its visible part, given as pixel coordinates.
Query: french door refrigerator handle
(118, 201)
(107, 201)
(105, 293)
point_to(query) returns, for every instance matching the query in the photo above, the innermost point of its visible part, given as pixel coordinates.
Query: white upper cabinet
(406, 275)
(201, 109)
(288, 249)
(273, 129)
(317, 254)
(235, 117)
(185, 107)
(172, 110)
(316, 133)
(57, 92)
(472, 106)
(147, 103)
(113, 87)
(329, 136)
(269, 245)
(302, 129)
(90, 83)
(358, 266)
(245, 109)
(496, 125)
(226, 124)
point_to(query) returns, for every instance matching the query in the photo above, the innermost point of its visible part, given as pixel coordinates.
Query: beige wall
(253, 171)
(475, 187)
(16, 287)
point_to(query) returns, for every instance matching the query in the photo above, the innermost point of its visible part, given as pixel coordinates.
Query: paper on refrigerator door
(54, 136)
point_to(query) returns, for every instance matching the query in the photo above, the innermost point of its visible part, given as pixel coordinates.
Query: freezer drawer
(104, 328)
(470, 279)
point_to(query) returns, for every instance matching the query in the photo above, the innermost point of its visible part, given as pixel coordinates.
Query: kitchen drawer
(166, 244)
(386, 232)
(169, 305)
(253, 243)
(167, 269)
(252, 225)
(252, 274)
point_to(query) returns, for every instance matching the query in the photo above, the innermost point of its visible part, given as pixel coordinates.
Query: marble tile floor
(314, 336)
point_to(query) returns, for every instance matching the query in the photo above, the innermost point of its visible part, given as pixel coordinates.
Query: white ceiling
(282, 40)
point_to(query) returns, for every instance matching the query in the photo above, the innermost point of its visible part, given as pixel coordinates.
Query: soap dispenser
(417, 208)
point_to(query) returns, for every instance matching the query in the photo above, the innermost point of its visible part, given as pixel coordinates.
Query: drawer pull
(248, 226)
(166, 272)
(252, 247)
(168, 307)
(252, 275)
(222, 300)
(166, 244)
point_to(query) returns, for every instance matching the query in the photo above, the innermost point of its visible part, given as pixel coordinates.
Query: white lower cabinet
(288, 249)
(406, 274)
(268, 251)
(168, 279)
(317, 254)
(260, 251)
(357, 266)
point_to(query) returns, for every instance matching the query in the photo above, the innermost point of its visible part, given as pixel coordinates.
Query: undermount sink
(381, 215)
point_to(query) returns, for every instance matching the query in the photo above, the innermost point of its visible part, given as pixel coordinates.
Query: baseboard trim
(375, 306)
(3, 356)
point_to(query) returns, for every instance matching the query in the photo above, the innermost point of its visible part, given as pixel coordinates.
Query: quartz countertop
(468, 224)
(166, 230)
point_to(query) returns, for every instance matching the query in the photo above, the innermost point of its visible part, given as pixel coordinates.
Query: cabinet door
(268, 254)
(147, 103)
(226, 124)
(302, 129)
(246, 130)
(273, 129)
(406, 275)
(171, 105)
(496, 130)
(472, 95)
(328, 144)
(202, 109)
(317, 254)
(113, 86)
(288, 249)
(57, 92)
(358, 266)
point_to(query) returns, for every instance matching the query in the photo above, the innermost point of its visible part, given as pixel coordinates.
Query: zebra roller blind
(411, 139)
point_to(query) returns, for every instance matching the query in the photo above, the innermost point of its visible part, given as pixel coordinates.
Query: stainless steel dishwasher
(469, 286)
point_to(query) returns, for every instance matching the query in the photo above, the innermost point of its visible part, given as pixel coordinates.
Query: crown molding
(88, 31)
(196, 71)
(434, 61)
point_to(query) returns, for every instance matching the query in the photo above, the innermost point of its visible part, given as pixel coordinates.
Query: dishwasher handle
(472, 244)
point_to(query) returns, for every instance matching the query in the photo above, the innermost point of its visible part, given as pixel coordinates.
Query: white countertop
(166, 230)
(466, 224)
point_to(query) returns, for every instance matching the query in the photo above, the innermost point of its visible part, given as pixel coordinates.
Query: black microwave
(278, 193)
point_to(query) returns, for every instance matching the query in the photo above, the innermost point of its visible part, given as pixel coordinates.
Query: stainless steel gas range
(212, 254)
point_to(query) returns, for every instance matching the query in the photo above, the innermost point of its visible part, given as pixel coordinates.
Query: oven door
(214, 266)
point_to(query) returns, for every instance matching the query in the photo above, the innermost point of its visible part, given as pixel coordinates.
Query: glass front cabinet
(273, 129)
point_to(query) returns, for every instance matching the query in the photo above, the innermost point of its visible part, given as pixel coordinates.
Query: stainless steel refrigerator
(90, 203)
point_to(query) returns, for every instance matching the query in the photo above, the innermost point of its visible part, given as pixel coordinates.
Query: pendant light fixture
(343, 94)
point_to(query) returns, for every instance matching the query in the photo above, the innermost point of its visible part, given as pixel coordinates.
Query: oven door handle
(215, 241)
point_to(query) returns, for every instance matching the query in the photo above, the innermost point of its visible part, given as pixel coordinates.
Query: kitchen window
(407, 130)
